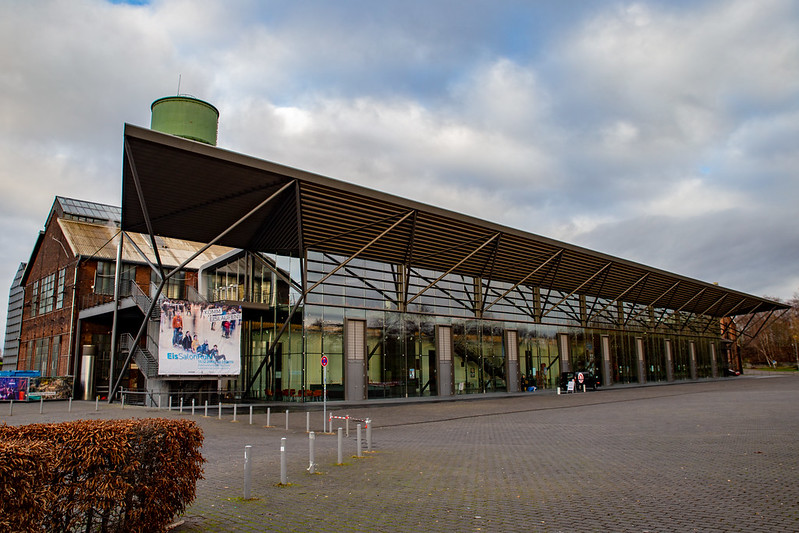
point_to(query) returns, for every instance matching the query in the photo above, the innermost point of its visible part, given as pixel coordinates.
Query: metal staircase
(143, 301)
(143, 357)
(147, 362)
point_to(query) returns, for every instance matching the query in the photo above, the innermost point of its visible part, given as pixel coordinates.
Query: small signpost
(324, 391)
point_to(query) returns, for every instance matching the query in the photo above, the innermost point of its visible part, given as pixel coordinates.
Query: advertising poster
(50, 388)
(13, 389)
(199, 339)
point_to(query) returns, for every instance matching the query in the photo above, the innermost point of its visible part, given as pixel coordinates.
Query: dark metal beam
(486, 243)
(578, 288)
(539, 267)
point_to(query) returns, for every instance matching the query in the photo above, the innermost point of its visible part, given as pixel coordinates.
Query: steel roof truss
(663, 314)
(763, 325)
(589, 313)
(465, 305)
(571, 312)
(658, 298)
(366, 282)
(409, 259)
(525, 310)
(620, 296)
(554, 271)
(539, 267)
(493, 259)
(486, 243)
(353, 256)
(733, 308)
(586, 282)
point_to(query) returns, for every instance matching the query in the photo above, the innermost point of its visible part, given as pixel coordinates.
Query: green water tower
(186, 117)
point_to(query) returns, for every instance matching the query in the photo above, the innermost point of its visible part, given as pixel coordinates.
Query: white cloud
(690, 197)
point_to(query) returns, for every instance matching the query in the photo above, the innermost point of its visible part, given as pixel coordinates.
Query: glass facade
(286, 336)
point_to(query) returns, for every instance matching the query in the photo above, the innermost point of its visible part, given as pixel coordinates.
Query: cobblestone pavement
(705, 456)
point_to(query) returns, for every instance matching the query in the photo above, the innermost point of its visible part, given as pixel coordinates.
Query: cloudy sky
(664, 132)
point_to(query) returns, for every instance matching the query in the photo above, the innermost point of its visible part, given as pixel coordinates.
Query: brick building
(68, 285)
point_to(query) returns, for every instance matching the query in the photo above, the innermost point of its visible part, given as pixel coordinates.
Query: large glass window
(40, 355)
(704, 367)
(34, 298)
(655, 361)
(538, 356)
(59, 303)
(624, 358)
(682, 358)
(493, 357)
(467, 358)
(104, 278)
(46, 294)
(54, 353)
(401, 355)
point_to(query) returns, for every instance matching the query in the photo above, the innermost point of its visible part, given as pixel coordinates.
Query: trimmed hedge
(104, 475)
(23, 466)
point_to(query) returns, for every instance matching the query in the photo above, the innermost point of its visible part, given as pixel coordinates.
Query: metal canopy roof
(196, 192)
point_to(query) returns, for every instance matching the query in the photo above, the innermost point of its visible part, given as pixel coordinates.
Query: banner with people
(199, 339)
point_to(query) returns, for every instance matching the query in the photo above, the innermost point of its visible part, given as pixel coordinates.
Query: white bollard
(159, 401)
(251, 415)
(220, 410)
(123, 400)
(247, 471)
(11, 408)
(283, 476)
(97, 404)
(192, 407)
(311, 443)
(268, 415)
(206, 408)
(287, 419)
(348, 425)
(307, 421)
(235, 408)
(340, 461)
(170, 402)
(358, 433)
(368, 434)
(181, 405)
(41, 404)
(70, 405)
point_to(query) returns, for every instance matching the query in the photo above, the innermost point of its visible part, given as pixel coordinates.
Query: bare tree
(777, 339)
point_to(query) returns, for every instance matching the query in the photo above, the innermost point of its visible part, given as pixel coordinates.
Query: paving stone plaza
(704, 456)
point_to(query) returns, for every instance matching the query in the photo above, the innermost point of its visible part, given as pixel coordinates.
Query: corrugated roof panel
(100, 242)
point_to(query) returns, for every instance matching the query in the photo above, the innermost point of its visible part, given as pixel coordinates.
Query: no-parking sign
(324, 360)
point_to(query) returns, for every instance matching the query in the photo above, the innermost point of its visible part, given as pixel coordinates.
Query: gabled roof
(195, 191)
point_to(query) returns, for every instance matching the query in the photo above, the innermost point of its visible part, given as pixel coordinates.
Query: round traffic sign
(580, 377)
(324, 360)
